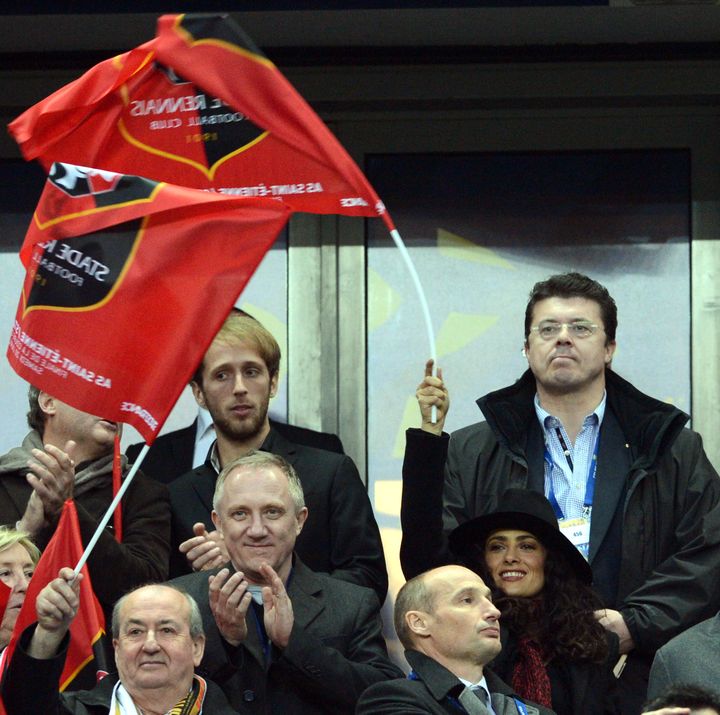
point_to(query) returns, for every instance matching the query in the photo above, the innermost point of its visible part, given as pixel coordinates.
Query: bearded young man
(236, 381)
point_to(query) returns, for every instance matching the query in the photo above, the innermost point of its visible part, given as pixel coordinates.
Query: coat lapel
(309, 602)
(612, 468)
(277, 444)
(204, 487)
(182, 448)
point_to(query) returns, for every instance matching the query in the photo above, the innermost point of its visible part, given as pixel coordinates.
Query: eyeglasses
(549, 330)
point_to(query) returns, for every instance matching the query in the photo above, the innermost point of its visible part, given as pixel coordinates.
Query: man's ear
(216, 520)
(301, 517)
(198, 394)
(418, 622)
(610, 351)
(274, 383)
(47, 403)
(198, 649)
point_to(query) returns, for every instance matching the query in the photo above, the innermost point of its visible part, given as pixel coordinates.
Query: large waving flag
(200, 106)
(127, 282)
(85, 660)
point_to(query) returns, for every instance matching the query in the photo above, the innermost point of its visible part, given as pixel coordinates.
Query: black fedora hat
(527, 511)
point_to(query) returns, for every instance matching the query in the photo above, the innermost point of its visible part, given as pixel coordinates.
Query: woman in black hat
(555, 652)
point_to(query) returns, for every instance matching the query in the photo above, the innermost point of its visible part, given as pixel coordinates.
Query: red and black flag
(85, 661)
(200, 106)
(127, 282)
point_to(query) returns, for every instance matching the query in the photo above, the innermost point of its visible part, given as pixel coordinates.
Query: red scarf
(529, 677)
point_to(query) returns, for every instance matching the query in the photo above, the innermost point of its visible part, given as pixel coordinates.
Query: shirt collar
(215, 457)
(549, 421)
(204, 423)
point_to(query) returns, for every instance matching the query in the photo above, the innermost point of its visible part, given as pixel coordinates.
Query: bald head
(158, 641)
(448, 615)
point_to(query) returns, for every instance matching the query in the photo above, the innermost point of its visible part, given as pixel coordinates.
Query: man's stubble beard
(237, 432)
(245, 429)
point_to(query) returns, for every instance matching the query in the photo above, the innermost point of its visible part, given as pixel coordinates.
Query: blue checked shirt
(569, 485)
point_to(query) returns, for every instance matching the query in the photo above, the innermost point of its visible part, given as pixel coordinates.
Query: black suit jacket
(340, 536)
(434, 691)
(336, 650)
(171, 454)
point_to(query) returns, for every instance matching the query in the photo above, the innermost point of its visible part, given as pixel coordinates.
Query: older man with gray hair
(281, 637)
(158, 640)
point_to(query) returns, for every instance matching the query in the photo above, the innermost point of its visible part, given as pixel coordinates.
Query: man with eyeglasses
(631, 488)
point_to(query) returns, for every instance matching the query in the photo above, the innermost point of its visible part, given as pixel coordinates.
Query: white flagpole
(423, 302)
(111, 509)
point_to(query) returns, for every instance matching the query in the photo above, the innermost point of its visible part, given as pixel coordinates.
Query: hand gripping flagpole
(111, 509)
(423, 300)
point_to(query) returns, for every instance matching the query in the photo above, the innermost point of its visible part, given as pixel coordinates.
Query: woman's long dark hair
(560, 619)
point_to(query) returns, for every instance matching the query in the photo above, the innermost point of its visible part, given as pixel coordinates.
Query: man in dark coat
(449, 627)
(281, 638)
(631, 486)
(69, 453)
(235, 381)
(158, 641)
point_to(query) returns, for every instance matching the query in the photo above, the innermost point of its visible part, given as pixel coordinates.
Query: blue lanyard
(589, 485)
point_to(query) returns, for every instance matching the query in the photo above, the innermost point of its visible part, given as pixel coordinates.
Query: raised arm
(56, 607)
(423, 544)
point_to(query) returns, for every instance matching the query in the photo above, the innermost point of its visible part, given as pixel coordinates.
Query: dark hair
(561, 619)
(681, 695)
(35, 415)
(574, 285)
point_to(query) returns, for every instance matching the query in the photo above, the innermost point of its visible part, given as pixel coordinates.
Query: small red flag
(65, 549)
(127, 282)
(5, 592)
(200, 106)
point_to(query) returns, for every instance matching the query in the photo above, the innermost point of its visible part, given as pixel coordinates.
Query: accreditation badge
(578, 532)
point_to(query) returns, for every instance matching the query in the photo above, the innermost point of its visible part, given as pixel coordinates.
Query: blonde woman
(18, 556)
